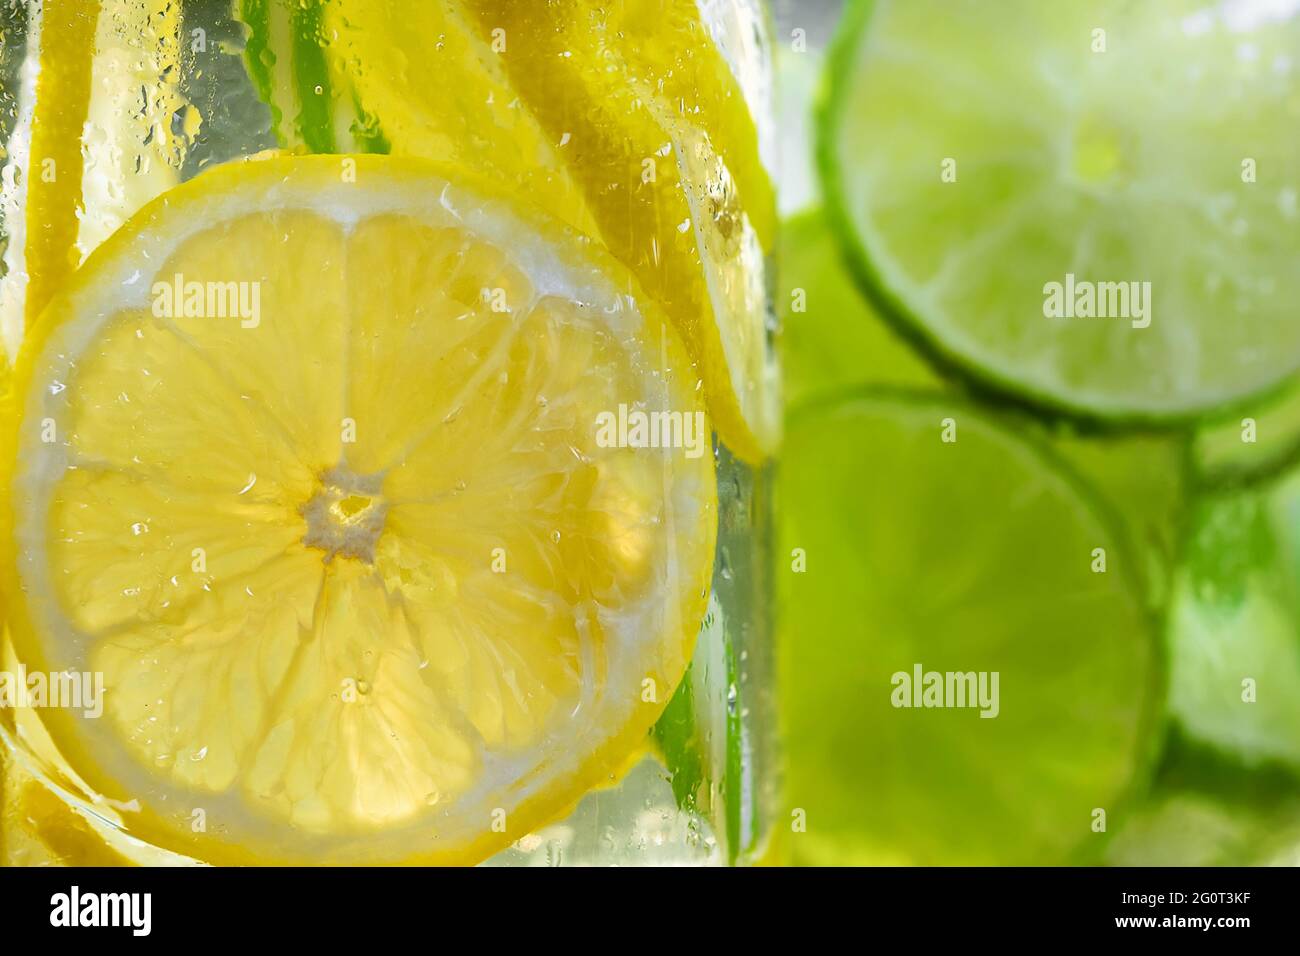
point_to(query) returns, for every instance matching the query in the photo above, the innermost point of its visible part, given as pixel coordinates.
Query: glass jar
(113, 111)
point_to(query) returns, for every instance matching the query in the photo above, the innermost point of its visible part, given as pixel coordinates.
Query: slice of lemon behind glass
(436, 89)
(362, 582)
(654, 152)
(102, 155)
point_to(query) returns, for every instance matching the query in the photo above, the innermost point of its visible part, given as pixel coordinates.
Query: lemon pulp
(654, 153)
(363, 584)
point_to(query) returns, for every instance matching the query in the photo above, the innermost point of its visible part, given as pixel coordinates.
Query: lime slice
(364, 580)
(831, 337)
(295, 82)
(1233, 648)
(973, 156)
(968, 556)
(1260, 441)
(1187, 828)
(1146, 483)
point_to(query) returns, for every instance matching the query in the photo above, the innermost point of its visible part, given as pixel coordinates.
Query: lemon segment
(676, 50)
(362, 581)
(649, 146)
(439, 91)
(663, 194)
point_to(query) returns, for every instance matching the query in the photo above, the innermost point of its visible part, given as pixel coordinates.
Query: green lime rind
(1233, 628)
(298, 91)
(1147, 483)
(733, 773)
(259, 60)
(311, 79)
(366, 131)
(999, 372)
(1224, 458)
(701, 740)
(831, 337)
(677, 736)
(970, 556)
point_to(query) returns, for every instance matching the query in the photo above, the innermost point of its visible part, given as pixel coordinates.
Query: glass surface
(174, 90)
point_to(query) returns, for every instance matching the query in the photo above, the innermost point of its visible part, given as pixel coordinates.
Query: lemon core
(346, 515)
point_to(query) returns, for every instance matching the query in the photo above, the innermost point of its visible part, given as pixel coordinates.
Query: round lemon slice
(385, 509)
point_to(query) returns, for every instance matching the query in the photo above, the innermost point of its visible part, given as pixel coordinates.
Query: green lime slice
(1146, 482)
(312, 108)
(831, 336)
(1234, 649)
(287, 65)
(1260, 442)
(977, 156)
(833, 339)
(1186, 828)
(971, 556)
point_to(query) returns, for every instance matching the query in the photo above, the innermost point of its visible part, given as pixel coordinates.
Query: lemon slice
(365, 580)
(706, 61)
(655, 153)
(438, 91)
(63, 94)
(81, 185)
(663, 193)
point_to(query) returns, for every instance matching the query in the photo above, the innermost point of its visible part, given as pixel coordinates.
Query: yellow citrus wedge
(438, 91)
(365, 579)
(63, 93)
(74, 189)
(672, 48)
(654, 153)
(663, 194)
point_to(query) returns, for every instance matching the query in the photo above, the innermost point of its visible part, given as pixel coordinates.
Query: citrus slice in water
(1095, 208)
(433, 88)
(664, 192)
(920, 538)
(653, 152)
(1260, 441)
(313, 465)
(831, 336)
(1233, 649)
